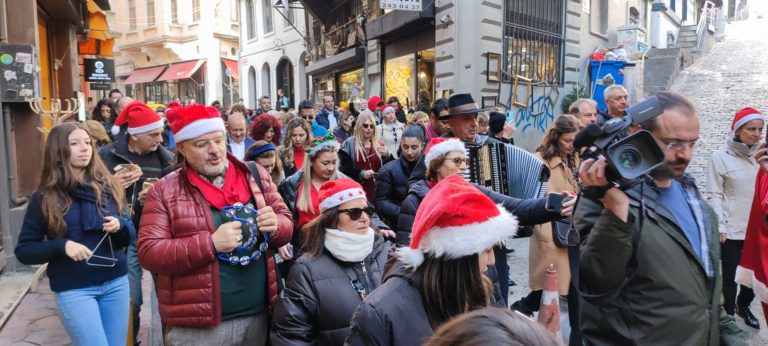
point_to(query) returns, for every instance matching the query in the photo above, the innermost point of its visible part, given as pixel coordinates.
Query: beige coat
(543, 250)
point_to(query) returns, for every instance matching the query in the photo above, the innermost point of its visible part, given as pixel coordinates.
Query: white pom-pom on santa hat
(337, 192)
(439, 146)
(455, 220)
(139, 117)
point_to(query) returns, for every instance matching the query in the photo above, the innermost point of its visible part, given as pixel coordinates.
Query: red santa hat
(194, 121)
(139, 117)
(439, 146)
(744, 116)
(337, 192)
(455, 220)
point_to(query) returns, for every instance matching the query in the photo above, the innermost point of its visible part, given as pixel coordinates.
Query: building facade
(177, 49)
(274, 53)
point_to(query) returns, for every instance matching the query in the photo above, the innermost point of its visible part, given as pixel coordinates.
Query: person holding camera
(731, 173)
(649, 269)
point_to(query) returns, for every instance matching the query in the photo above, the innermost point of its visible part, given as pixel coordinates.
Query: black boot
(520, 306)
(749, 319)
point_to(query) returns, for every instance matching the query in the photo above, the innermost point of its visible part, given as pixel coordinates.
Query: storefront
(408, 42)
(406, 75)
(341, 76)
(165, 83)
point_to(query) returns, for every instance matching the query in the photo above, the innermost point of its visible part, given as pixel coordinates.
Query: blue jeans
(96, 315)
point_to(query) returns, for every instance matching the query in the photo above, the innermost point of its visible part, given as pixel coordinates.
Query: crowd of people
(329, 226)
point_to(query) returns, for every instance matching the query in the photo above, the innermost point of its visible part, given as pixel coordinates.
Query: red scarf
(236, 188)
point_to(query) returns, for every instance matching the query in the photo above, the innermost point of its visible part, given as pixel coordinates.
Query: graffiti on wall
(532, 106)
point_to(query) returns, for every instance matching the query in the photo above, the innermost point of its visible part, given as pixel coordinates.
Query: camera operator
(652, 277)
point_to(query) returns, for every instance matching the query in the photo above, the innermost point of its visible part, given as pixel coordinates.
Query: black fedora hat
(461, 104)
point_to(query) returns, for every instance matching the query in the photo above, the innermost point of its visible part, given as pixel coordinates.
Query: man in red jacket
(215, 275)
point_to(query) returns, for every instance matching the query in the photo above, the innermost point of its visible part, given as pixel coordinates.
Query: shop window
(352, 86)
(266, 12)
(534, 38)
(398, 79)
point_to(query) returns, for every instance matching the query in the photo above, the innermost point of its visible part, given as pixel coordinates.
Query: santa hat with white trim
(439, 146)
(337, 192)
(456, 220)
(744, 116)
(139, 117)
(194, 121)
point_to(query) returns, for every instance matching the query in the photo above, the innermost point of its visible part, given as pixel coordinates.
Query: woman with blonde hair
(363, 154)
(298, 135)
(77, 222)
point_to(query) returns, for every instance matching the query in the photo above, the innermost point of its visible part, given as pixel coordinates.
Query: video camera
(630, 156)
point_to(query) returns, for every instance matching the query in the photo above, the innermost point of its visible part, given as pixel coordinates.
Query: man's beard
(217, 170)
(663, 172)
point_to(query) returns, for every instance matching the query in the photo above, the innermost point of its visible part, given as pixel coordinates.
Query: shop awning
(99, 41)
(232, 65)
(181, 70)
(397, 23)
(353, 57)
(318, 8)
(144, 75)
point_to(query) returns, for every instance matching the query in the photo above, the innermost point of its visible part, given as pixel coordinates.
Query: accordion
(506, 169)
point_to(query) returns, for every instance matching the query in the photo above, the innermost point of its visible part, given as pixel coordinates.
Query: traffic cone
(549, 311)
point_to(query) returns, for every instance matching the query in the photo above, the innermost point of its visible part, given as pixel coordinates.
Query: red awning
(144, 75)
(232, 65)
(181, 70)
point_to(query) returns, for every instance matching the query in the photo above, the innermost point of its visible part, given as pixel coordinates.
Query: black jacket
(394, 313)
(528, 212)
(392, 188)
(116, 153)
(318, 301)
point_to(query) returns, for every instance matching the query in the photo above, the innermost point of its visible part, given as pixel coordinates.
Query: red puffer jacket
(175, 243)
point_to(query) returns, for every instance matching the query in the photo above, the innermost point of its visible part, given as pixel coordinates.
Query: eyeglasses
(458, 161)
(308, 117)
(368, 126)
(679, 145)
(356, 213)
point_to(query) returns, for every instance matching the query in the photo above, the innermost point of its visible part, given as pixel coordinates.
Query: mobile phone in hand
(555, 201)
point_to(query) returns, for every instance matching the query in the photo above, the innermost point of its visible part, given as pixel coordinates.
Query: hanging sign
(402, 5)
(99, 70)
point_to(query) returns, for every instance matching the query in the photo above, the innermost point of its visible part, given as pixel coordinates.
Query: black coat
(528, 212)
(394, 313)
(392, 188)
(319, 300)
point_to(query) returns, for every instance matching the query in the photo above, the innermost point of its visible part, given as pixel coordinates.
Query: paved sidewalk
(35, 321)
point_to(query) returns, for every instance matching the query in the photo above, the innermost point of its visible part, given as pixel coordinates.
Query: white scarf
(349, 247)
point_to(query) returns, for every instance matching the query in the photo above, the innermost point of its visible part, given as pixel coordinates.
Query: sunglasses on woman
(356, 213)
(368, 126)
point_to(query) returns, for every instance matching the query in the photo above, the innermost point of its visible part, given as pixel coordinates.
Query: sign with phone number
(403, 5)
